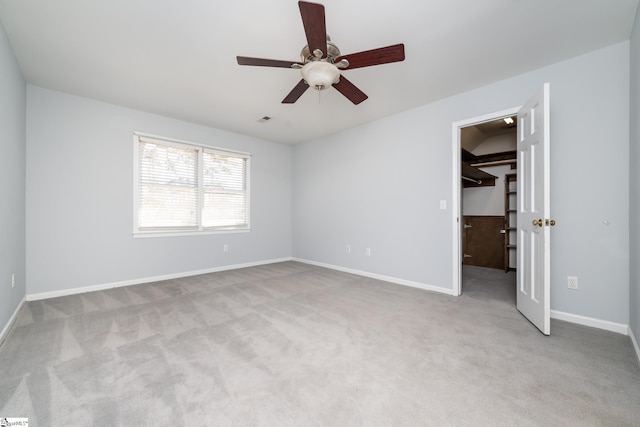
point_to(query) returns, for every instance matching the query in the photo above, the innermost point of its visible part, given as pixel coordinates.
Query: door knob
(537, 222)
(550, 222)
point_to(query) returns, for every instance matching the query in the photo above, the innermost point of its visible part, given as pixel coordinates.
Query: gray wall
(634, 194)
(379, 185)
(80, 197)
(12, 181)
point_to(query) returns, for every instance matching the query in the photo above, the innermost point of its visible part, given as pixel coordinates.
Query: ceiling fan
(321, 60)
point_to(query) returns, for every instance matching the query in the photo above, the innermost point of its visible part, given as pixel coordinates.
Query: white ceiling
(177, 58)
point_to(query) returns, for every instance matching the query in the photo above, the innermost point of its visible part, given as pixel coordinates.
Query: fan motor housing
(332, 53)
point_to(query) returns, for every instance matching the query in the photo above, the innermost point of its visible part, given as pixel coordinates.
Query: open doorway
(487, 205)
(533, 261)
(488, 208)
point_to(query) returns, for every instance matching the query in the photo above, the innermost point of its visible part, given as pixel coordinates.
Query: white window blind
(183, 187)
(225, 195)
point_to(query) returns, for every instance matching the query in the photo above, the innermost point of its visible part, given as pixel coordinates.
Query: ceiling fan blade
(261, 62)
(350, 90)
(296, 93)
(367, 58)
(315, 26)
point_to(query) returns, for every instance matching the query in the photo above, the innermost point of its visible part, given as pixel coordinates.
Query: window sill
(150, 234)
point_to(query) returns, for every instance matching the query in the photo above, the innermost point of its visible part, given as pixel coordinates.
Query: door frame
(456, 213)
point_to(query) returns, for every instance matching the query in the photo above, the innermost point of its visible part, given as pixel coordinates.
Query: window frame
(187, 231)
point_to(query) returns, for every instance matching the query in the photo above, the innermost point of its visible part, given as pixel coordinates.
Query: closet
(488, 196)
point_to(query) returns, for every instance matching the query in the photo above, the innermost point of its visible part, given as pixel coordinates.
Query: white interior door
(533, 220)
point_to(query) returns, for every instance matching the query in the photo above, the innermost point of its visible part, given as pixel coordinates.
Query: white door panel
(533, 269)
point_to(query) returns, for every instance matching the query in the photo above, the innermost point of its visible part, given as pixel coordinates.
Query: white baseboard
(635, 344)
(590, 321)
(395, 280)
(81, 290)
(12, 319)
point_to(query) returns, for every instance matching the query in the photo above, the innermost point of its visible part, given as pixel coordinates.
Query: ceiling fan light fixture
(320, 74)
(320, 60)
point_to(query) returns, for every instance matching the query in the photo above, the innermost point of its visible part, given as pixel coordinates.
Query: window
(182, 187)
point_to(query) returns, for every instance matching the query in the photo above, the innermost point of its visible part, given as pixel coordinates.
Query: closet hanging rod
(477, 181)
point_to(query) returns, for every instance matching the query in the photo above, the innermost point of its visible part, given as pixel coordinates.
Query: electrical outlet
(572, 282)
(368, 251)
(13, 280)
(347, 249)
(225, 248)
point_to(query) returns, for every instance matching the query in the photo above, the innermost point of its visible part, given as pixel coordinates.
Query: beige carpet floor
(291, 344)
